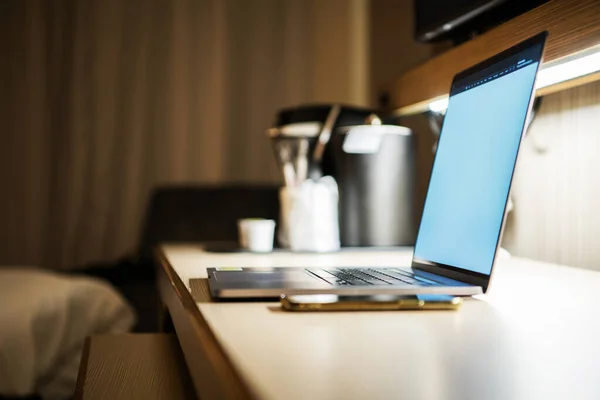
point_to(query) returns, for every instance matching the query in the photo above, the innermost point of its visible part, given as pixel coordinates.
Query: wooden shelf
(574, 26)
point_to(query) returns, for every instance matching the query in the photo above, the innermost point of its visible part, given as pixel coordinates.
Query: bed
(44, 320)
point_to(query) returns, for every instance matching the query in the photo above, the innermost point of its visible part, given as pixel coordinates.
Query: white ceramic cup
(256, 234)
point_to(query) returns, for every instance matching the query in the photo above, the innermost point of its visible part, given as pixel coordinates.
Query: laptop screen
(475, 159)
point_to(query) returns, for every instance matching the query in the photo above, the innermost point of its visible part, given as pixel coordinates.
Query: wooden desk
(535, 335)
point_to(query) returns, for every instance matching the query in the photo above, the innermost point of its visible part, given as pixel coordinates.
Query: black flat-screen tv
(459, 20)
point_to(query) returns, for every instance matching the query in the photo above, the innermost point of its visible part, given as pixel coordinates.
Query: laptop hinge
(449, 272)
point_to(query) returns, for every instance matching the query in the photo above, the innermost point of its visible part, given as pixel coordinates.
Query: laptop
(465, 206)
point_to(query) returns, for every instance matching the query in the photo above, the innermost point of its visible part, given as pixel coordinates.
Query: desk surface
(534, 335)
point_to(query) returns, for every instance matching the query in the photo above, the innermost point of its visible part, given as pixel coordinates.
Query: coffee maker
(372, 161)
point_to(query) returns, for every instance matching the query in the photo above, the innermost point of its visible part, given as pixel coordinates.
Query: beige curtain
(102, 100)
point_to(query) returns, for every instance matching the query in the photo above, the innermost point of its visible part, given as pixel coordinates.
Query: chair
(203, 213)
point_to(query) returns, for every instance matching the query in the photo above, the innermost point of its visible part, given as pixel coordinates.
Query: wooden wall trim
(574, 25)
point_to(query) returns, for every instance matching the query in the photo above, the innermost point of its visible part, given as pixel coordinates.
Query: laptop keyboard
(370, 276)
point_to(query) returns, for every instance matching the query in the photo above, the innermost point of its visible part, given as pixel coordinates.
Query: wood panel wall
(556, 191)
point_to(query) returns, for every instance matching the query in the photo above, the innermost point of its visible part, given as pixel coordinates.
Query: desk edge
(211, 369)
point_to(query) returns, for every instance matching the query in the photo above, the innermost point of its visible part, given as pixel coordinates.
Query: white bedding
(44, 320)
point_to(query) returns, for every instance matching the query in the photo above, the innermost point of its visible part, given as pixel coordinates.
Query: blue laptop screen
(473, 167)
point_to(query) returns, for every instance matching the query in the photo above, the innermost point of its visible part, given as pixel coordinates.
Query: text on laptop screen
(474, 164)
